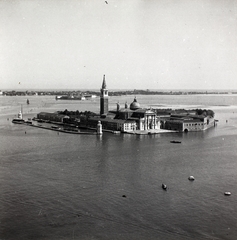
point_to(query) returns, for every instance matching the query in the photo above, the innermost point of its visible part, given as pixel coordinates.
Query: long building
(53, 117)
(187, 123)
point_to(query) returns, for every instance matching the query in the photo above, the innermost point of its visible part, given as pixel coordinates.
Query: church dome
(134, 105)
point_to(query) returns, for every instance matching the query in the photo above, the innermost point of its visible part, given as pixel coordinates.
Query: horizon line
(134, 89)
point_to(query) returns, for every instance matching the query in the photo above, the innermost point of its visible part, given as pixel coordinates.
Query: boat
(28, 121)
(227, 193)
(18, 120)
(55, 127)
(164, 186)
(70, 97)
(70, 129)
(175, 141)
(191, 178)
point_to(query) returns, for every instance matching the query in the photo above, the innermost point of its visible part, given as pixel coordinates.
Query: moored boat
(175, 141)
(18, 120)
(28, 121)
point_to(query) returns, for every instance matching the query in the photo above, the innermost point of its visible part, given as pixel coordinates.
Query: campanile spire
(104, 83)
(104, 98)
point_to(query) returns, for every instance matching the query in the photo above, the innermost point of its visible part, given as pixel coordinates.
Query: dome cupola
(134, 105)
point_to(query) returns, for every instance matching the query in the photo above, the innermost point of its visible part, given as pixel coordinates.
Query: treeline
(76, 113)
(200, 112)
(204, 112)
(112, 93)
(153, 92)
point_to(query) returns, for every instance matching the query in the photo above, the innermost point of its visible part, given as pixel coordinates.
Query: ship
(19, 119)
(72, 97)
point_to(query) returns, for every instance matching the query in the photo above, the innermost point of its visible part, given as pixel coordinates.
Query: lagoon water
(67, 186)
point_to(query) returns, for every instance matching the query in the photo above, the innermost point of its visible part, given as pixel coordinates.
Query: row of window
(129, 127)
(193, 124)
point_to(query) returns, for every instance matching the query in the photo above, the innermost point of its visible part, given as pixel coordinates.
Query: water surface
(71, 186)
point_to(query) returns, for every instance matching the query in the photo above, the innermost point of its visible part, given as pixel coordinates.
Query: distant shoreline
(77, 93)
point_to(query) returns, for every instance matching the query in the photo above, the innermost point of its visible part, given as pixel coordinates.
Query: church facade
(145, 119)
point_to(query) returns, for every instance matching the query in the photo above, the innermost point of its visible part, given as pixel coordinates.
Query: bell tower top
(104, 83)
(103, 90)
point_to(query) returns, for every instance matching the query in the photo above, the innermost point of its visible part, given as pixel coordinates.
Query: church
(145, 119)
(125, 119)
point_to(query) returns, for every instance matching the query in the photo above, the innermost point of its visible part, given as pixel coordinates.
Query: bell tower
(104, 98)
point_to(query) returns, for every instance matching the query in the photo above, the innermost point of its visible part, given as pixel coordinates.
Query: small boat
(191, 178)
(175, 141)
(164, 186)
(28, 121)
(55, 127)
(227, 193)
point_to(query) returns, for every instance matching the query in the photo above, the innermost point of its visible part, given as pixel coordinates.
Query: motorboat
(191, 178)
(164, 186)
(227, 193)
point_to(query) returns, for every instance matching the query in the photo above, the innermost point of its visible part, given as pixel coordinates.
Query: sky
(137, 44)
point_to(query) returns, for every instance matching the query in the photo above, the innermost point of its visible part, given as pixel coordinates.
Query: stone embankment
(150, 131)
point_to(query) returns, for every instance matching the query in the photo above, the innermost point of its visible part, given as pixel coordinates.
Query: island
(131, 118)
